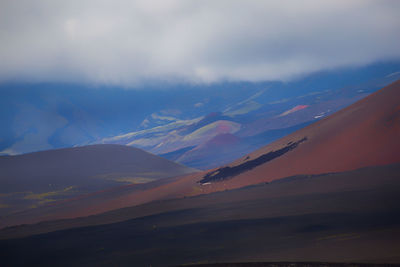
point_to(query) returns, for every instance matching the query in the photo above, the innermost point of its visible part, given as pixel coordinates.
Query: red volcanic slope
(366, 133)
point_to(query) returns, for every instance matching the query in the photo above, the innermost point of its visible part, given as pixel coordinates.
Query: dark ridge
(291, 264)
(227, 172)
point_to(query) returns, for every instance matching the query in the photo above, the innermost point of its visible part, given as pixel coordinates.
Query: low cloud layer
(128, 42)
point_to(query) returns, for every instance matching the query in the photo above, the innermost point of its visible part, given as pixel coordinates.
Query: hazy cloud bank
(125, 42)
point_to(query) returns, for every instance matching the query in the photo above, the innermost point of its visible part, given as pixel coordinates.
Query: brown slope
(378, 179)
(363, 134)
(366, 133)
(34, 170)
(42, 177)
(343, 217)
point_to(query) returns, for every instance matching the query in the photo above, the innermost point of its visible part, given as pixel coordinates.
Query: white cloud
(125, 42)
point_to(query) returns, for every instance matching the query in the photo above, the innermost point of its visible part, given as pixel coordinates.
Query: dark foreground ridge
(227, 172)
(342, 217)
(291, 264)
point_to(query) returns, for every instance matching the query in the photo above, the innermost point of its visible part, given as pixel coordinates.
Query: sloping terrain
(282, 108)
(343, 217)
(364, 134)
(44, 116)
(34, 179)
(196, 134)
(264, 110)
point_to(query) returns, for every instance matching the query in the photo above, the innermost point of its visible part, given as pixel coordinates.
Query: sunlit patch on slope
(126, 178)
(22, 200)
(243, 109)
(244, 106)
(48, 196)
(126, 138)
(294, 109)
(213, 129)
(393, 74)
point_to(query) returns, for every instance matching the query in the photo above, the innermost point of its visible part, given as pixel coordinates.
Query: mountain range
(201, 126)
(326, 192)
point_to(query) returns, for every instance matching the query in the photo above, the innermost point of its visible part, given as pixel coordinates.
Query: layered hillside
(361, 135)
(33, 179)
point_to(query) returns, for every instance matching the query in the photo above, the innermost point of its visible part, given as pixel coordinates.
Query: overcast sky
(127, 42)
